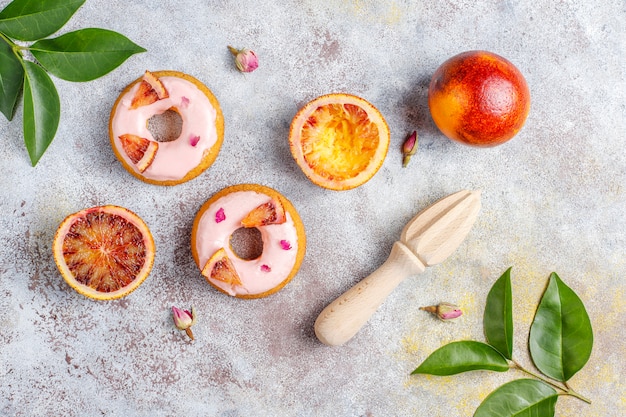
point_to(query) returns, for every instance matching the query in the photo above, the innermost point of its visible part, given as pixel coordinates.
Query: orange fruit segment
(150, 90)
(104, 252)
(339, 141)
(271, 212)
(220, 268)
(141, 151)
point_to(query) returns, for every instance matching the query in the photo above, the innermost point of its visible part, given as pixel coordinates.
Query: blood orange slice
(220, 268)
(339, 141)
(150, 90)
(140, 150)
(104, 252)
(271, 212)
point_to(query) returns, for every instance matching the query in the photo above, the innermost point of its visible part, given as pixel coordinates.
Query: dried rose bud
(220, 216)
(445, 311)
(245, 59)
(409, 148)
(184, 319)
(193, 140)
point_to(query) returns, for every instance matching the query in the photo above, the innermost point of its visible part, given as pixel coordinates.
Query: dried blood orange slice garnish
(220, 268)
(141, 151)
(339, 141)
(271, 212)
(150, 90)
(104, 252)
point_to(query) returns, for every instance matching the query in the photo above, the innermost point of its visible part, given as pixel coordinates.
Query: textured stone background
(553, 200)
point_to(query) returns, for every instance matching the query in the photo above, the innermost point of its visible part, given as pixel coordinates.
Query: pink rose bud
(409, 148)
(445, 311)
(245, 59)
(184, 319)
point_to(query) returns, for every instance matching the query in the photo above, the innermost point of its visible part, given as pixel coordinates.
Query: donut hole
(247, 243)
(166, 127)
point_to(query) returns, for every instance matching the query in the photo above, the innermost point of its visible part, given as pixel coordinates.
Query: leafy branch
(560, 344)
(82, 55)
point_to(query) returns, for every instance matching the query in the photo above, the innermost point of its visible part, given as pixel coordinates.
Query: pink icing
(257, 275)
(174, 159)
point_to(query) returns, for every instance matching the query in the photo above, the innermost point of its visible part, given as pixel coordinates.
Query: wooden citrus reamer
(428, 239)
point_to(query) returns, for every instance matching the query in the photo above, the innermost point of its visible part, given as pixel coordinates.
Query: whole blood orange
(339, 140)
(478, 98)
(104, 252)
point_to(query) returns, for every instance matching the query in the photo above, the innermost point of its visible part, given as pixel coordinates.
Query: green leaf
(42, 111)
(29, 20)
(85, 54)
(457, 357)
(498, 317)
(519, 398)
(11, 79)
(561, 337)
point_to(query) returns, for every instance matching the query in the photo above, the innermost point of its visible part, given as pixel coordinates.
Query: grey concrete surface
(553, 200)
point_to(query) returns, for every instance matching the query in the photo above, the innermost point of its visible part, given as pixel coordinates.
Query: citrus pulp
(104, 252)
(339, 141)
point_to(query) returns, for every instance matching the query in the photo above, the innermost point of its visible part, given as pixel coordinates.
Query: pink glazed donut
(281, 231)
(173, 162)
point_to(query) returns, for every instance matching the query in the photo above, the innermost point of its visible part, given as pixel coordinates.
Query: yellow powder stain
(611, 318)
(394, 15)
(415, 348)
(570, 406)
(389, 13)
(605, 375)
(411, 345)
(527, 287)
(468, 304)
